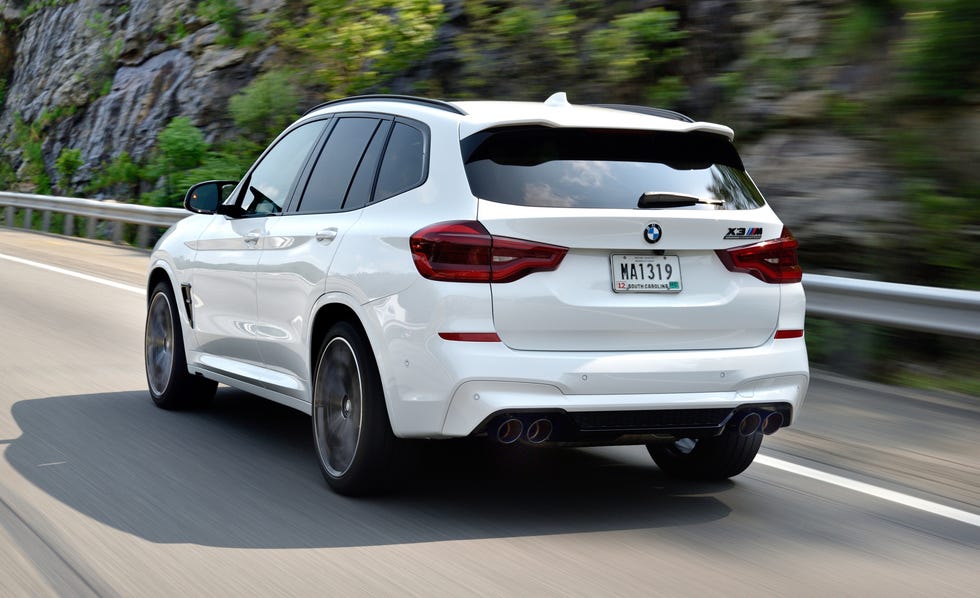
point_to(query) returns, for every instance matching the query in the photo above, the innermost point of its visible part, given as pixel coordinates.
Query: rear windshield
(602, 168)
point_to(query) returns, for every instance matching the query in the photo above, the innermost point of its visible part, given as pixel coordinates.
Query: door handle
(252, 238)
(326, 235)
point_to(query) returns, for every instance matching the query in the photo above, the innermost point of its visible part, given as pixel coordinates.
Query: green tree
(180, 147)
(355, 46)
(265, 106)
(67, 164)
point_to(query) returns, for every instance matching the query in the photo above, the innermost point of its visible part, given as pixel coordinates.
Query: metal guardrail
(95, 211)
(927, 309)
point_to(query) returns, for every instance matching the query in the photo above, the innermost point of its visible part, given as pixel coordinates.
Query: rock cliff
(804, 83)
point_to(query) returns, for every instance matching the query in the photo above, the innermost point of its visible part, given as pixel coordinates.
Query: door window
(268, 186)
(345, 150)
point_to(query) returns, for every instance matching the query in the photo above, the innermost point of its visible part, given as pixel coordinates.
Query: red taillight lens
(770, 261)
(463, 251)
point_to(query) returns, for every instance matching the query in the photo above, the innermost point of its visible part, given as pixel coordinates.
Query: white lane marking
(882, 493)
(96, 279)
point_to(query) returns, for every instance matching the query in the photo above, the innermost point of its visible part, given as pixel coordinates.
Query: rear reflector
(470, 337)
(789, 334)
(464, 251)
(770, 261)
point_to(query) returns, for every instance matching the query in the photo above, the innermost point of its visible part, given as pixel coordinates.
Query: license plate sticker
(645, 273)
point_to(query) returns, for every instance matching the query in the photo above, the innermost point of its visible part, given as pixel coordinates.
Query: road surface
(875, 491)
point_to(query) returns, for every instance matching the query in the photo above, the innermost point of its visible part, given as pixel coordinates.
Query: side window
(335, 167)
(403, 166)
(269, 183)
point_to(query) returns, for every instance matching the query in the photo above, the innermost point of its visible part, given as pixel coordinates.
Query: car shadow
(242, 473)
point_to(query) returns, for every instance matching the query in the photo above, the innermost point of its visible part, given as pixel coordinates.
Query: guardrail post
(28, 217)
(69, 226)
(142, 236)
(46, 221)
(117, 232)
(90, 227)
(8, 219)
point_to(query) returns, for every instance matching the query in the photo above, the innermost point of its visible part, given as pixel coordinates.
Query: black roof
(439, 104)
(662, 112)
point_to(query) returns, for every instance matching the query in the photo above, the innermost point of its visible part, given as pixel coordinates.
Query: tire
(171, 385)
(355, 446)
(715, 458)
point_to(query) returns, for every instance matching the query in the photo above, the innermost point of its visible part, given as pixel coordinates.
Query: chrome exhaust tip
(773, 422)
(749, 424)
(509, 431)
(539, 431)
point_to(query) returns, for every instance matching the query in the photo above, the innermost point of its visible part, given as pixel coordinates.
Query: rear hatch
(642, 214)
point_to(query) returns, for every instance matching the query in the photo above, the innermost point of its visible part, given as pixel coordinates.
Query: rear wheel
(354, 441)
(714, 458)
(171, 385)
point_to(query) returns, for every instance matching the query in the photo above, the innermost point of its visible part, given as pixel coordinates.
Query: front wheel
(354, 443)
(171, 385)
(715, 458)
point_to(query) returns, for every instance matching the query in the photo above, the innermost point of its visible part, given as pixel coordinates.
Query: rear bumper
(485, 380)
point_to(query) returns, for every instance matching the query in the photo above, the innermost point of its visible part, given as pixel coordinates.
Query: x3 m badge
(741, 232)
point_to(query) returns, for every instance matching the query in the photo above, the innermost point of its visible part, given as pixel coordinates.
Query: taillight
(770, 261)
(464, 251)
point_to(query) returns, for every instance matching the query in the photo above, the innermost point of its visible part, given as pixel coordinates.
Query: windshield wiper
(660, 199)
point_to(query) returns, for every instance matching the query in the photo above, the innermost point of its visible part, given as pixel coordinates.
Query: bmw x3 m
(402, 267)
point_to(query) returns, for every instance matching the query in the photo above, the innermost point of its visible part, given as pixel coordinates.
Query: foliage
(632, 50)
(67, 164)
(120, 172)
(527, 51)
(859, 30)
(265, 106)
(369, 42)
(227, 15)
(939, 217)
(180, 147)
(517, 50)
(941, 54)
(39, 5)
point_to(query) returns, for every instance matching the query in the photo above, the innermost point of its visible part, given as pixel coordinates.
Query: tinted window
(597, 168)
(269, 183)
(360, 189)
(403, 166)
(334, 170)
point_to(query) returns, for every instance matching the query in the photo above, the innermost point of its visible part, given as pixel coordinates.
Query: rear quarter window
(602, 168)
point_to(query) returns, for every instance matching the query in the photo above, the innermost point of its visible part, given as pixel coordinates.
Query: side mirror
(204, 198)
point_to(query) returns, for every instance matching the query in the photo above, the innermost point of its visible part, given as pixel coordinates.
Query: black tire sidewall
(184, 390)
(368, 470)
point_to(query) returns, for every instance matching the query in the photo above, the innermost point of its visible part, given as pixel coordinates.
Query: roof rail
(440, 104)
(661, 112)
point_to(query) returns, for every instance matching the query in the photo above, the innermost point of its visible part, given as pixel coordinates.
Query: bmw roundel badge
(652, 233)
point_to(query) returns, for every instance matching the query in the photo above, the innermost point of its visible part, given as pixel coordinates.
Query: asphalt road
(103, 494)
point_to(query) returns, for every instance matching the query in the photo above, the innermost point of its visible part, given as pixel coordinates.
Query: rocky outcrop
(109, 75)
(838, 197)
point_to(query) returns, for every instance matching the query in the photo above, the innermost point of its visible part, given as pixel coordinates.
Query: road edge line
(864, 488)
(66, 272)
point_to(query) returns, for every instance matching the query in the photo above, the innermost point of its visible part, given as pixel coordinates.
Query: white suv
(402, 267)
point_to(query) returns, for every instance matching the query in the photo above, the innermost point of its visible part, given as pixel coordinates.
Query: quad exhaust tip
(539, 430)
(749, 424)
(509, 431)
(773, 422)
(765, 422)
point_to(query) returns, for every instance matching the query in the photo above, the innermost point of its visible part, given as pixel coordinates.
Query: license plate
(646, 273)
